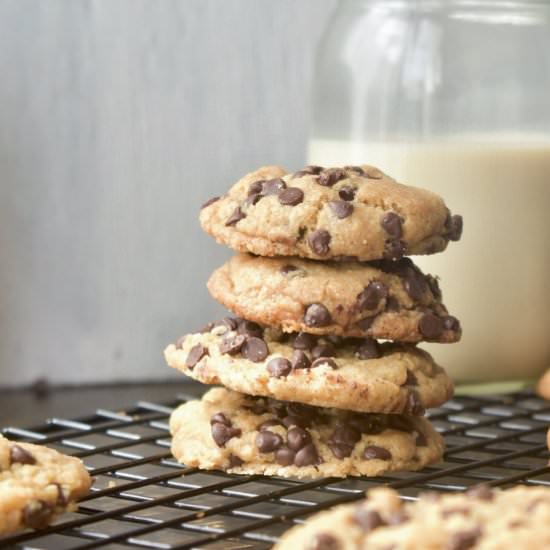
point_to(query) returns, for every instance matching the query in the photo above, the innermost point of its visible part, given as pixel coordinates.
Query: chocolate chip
(397, 518)
(319, 242)
(306, 456)
(451, 323)
(414, 407)
(367, 519)
(255, 188)
(411, 379)
(415, 284)
(346, 193)
(317, 315)
(345, 434)
(38, 514)
(288, 268)
(269, 424)
(339, 450)
(196, 353)
(341, 209)
(304, 340)
(374, 452)
(434, 286)
(392, 304)
(18, 455)
(259, 405)
(370, 298)
(366, 323)
(430, 326)
(205, 329)
(272, 187)
(284, 456)
(249, 328)
(221, 433)
(232, 344)
(371, 424)
(180, 341)
(291, 196)
(276, 407)
(62, 499)
(323, 350)
(297, 438)
(278, 367)
(220, 418)
(324, 362)
(356, 169)
(421, 440)
(267, 441)
(228, 322)
(251, 200)
(324, 541)
(455, 229)
(254, 349)
(210, 201)
(394, 249)
(368, 349)
(300, 360)
(329, 177)
(236, 216)
(235, 461)
(462, 540)
(481, 491)
(391, 224)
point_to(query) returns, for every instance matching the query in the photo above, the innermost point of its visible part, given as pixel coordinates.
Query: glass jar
(454, 96)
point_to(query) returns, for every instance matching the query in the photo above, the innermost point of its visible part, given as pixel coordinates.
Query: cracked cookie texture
(37, 484)
(384, 299)
(356, 374)
(481, 519)
(242, 434)
(329, 213)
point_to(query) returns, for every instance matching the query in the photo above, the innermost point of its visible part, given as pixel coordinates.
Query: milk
(496, 280)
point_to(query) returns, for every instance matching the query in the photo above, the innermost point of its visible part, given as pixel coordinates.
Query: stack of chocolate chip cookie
(321, 277)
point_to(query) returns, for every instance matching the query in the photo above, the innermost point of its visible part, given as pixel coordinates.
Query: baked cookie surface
(390, 300)
(355, 374)
(242, 434)
(481, 518)
(36, 484)
(329, 213)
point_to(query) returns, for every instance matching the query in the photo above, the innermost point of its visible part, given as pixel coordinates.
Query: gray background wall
(118, 118)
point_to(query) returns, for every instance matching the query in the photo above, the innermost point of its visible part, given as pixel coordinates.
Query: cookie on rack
(356, 374)
(329, 213)
(543, 385)
(385, 299)
(241, 434)
(36, 484)
(479, 518)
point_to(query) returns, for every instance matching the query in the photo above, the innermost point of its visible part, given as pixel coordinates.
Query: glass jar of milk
(454, 96)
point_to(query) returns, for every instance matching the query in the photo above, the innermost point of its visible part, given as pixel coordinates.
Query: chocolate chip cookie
(36, 484)
(242, 434)
(479, 518)
(329, 213)
(383, 299)
(356, 374)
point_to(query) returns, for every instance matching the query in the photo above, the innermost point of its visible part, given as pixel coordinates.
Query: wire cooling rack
(142, 498)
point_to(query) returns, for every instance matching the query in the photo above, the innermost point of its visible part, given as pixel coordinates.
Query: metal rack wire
(142, 498)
